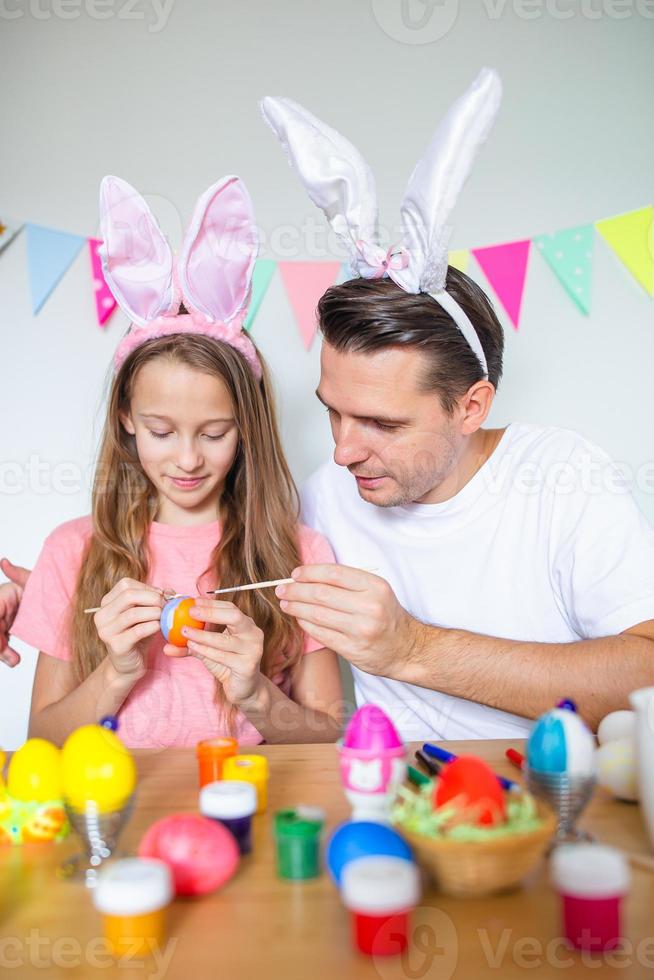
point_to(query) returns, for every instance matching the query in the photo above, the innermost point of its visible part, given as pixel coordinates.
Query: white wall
(172, 109)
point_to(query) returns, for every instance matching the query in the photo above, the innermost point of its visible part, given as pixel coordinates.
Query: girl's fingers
(230, 660)
(171, 650)
(217, 641)
(219, 614)
(128, 618)
(131, 585)
(140, 632)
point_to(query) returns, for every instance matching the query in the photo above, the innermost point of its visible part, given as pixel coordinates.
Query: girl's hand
(130, 613)
(232, 656)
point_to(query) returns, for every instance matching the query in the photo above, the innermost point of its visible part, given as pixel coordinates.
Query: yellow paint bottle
(250, 769)
(132, 896)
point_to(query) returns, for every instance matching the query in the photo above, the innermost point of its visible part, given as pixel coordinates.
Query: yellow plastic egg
(35, 771)
(97, 767)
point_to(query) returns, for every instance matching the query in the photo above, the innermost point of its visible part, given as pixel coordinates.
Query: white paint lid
(133, 886)
(379, 884)
(228, 799)
(589, 870)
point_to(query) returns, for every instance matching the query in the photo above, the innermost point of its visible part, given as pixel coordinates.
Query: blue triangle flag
(49, 254)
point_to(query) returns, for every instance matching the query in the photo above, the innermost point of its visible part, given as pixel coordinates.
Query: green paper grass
(414, 811)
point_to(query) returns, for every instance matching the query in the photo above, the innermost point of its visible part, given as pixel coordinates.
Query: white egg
(616, 725)
(616, 767)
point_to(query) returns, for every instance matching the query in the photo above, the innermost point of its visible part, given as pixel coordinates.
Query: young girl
(192, 492)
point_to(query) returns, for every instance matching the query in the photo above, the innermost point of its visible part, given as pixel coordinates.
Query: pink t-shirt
(173, 704)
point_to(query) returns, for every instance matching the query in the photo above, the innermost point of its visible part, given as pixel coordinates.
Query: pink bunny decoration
(212, 276)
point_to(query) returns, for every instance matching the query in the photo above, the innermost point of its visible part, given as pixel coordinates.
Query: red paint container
(380, 892)
(592, 880)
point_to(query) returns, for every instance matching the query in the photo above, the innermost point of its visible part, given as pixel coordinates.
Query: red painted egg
(474, 785)
(201, 854)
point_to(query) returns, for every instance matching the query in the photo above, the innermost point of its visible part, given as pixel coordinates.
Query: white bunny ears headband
(340, 182)
(212, 275)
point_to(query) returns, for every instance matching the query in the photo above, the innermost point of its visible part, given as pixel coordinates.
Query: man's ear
(476, 406)
(126, 422)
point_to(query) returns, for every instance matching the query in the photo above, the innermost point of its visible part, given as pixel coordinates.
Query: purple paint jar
(231, 802)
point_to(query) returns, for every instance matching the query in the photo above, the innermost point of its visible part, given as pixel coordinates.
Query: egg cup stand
(99, 833)
(567, 796)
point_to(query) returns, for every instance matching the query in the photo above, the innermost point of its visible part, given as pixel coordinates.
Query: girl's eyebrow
(166, 418)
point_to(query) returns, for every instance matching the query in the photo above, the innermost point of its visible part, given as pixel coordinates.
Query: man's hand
(354, 613)
(10, 596)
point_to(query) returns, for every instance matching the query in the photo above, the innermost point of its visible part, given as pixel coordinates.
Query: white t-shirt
(544, 543)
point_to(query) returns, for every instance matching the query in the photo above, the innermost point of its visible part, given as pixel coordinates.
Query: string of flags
(568, 253)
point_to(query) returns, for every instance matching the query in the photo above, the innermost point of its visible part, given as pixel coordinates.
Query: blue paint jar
(231, 802)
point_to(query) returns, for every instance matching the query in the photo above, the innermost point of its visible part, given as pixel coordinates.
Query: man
(513, 566)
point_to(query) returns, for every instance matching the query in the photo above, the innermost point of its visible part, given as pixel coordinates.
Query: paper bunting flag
(49, 254)
(569, 253)
(8, 230)
(459, 259)
(631, 236)
(263, 273)
(505, 267)
(105, 303)
(305, 283)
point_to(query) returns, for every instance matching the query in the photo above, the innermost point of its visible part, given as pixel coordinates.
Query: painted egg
(201, 853)
(96, 767)
(561, 742)
(617, 768)
(616, 725)
(47, 824)
(361, 838)
(176, 614)
(471, 784)
(370, 728)
(35, 771)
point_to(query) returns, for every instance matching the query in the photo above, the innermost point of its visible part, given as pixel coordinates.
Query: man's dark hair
(364, 315)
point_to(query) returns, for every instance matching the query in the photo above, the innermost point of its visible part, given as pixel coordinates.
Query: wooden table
(261, 926)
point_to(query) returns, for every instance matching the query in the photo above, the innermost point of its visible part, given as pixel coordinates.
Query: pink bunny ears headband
(212, 275)
(340, 182)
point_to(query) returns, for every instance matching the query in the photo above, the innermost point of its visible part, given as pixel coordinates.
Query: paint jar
(251, 769)
(380, 893)
(231, 802)
(297, 839)
(592, 880)
(132, 895)
(211, 754)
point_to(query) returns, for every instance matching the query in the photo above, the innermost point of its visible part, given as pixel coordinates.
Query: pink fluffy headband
(211, 276)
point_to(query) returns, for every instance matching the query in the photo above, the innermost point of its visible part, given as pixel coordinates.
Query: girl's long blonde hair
(259, 508)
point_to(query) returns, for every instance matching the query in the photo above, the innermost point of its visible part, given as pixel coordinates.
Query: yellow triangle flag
(459, 259)
(631, 236)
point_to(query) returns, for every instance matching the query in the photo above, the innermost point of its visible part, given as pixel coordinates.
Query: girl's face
(186, 438)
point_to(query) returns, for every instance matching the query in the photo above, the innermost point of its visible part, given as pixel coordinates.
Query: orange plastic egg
(176, 614)
(475, 787)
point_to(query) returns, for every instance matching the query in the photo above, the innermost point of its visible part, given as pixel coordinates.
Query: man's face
(396, 440)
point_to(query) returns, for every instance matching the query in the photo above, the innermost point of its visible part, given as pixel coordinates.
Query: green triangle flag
(569, 253)
(263, 273)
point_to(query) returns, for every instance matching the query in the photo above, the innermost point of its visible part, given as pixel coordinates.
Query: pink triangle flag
(505, 267)
(305, 283)
(105, 304)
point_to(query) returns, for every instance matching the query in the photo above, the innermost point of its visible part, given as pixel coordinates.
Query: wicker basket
(476, 868)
